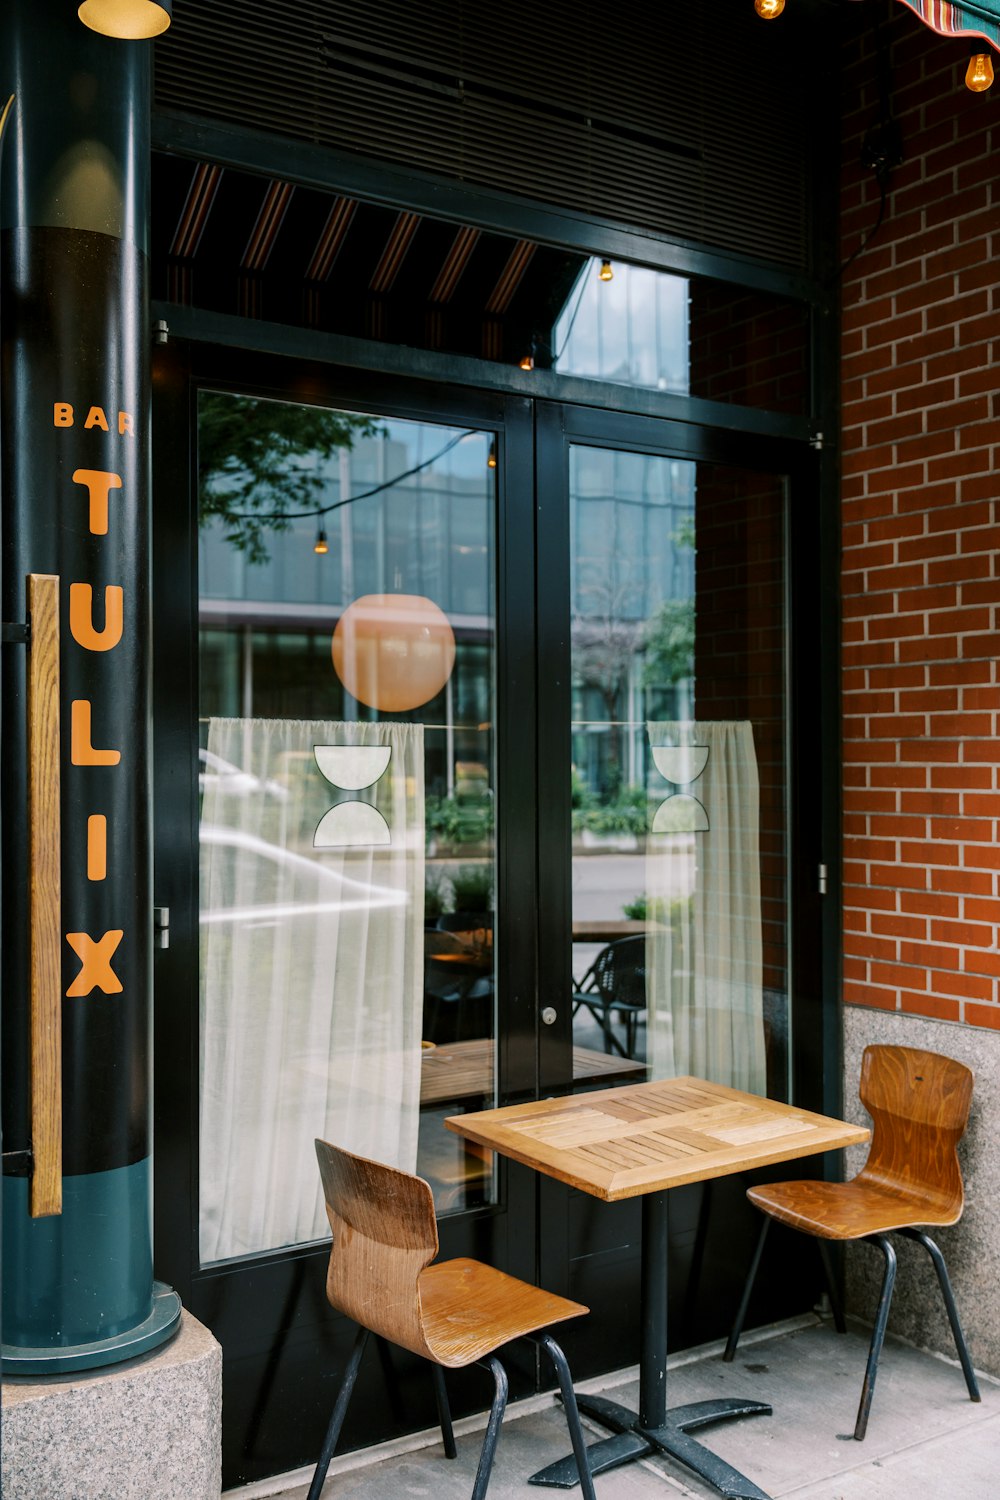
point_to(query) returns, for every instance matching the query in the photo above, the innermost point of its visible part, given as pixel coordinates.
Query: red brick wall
(921, 533)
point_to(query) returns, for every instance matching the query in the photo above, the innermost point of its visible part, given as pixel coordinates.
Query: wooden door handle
(44, 895)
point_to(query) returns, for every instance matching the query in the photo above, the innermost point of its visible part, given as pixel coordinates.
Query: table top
(646, 1137)
(465, 1069)
(608, 930)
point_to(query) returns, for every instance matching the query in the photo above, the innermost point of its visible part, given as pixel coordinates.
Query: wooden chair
(453, 1313)
(919, 1104)
(616, 983)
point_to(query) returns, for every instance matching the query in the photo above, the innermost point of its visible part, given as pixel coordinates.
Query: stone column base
(149, 1429)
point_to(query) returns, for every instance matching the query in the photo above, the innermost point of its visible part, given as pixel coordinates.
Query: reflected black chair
(615, 984)
(458, 979)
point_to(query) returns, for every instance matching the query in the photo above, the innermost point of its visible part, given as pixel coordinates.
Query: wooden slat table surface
(465, 1069)
(648, 1137)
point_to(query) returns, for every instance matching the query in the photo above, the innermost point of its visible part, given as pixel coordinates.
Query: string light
(321, 546)
(769, 10)
(979, 73)
(491, 461)
(606, 273)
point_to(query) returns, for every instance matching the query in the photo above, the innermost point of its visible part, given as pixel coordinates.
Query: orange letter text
(81, 617)
(62, 414)
(95, 955)
(82, 752)
(97, 847)
(99, 486)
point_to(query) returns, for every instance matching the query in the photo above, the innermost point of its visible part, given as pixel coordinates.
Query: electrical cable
(325, 510)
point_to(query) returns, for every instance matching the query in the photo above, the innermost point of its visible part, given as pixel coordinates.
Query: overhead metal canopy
(961, 17)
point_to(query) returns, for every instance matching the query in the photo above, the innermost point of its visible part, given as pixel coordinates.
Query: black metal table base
(631, 1441)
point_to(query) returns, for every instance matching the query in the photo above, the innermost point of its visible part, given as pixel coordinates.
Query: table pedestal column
(653, 1429)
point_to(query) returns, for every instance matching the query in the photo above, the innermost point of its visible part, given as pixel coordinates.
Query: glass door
(687, 828)
(345, 937)
(347, 774)
(679, 772)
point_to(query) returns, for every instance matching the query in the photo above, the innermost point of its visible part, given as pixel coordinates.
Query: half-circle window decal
(351, 825)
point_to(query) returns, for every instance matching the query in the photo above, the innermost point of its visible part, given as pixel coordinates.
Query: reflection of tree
(261, 462)
(669, 637)
(670, 643)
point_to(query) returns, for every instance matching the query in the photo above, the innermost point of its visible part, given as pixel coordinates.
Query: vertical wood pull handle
(44, 898)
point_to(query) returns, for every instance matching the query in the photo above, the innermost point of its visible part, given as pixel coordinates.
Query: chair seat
(469, 1309)
(849, 1210)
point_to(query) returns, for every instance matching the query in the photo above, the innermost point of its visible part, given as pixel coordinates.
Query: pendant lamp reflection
(130, 20)
(393, 652)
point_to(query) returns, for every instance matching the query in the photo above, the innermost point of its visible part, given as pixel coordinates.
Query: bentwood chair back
(384, 1234)
(452, 1313)
(919, 1103)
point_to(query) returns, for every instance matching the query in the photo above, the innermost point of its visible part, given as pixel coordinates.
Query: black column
(78, 1287)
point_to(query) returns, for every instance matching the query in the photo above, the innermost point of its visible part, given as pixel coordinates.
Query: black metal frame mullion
(257, 336)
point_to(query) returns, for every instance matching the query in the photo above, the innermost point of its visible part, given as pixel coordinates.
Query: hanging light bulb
(527, 362)
(606, 273)
(321, 546)
(979, 73)
(769, 10)
(491, 461)
(131, 20)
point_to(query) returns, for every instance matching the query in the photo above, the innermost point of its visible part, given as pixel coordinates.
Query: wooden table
(642, 1140)
(464, 1070)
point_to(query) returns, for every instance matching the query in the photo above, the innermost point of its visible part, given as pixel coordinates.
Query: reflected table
(608, 931)
(642, 1140)
(464, 1070)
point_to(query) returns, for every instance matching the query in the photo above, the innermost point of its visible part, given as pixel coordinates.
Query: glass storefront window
(347, 777)
(680, 950)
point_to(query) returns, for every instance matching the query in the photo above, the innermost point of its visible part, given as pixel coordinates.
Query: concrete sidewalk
(925, 1438)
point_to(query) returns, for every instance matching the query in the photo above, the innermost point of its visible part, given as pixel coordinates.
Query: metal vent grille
(686, 119)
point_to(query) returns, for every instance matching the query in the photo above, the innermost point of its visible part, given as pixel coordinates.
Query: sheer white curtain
(704, 976)
(311, 968)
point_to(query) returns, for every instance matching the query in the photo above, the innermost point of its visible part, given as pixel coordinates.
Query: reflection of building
(633, 547)
(407, 510)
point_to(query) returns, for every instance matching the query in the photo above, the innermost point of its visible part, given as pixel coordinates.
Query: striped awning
(970, 18)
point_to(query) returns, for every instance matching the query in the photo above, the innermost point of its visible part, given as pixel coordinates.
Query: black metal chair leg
(878, 1333)
(558, 1359)
(831, 1285)
(339, 1412)
(492, 1427)
(444, 1412)
(934, 1251)
(396, 1404)
(741, 1311)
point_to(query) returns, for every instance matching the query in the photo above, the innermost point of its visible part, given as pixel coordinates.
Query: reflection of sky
(632, 330)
